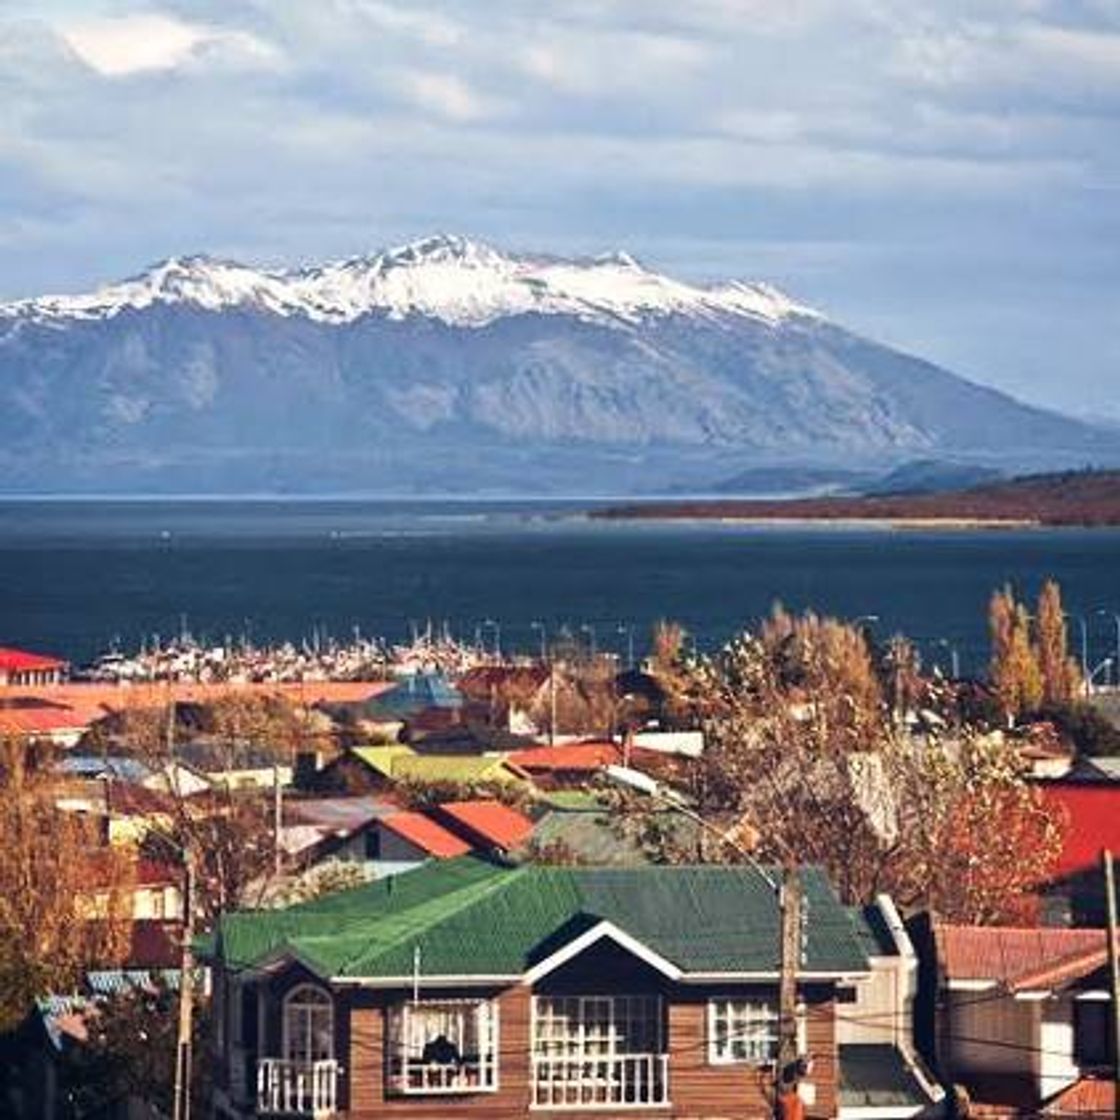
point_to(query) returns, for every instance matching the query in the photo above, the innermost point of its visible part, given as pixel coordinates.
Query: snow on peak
(447, 277)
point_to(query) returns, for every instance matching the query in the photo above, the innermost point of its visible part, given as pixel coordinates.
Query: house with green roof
(378, 769)
(479, 988)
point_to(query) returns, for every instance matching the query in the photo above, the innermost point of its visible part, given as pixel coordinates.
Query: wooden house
(476, 988)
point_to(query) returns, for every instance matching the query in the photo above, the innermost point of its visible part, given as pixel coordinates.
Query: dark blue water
(76, 576)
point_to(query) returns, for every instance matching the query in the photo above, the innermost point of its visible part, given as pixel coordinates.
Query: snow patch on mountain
(456, 280)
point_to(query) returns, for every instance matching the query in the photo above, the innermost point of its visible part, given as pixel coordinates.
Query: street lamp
(540, 626)
(546, 660)
(623, 628)
(497, 628)
(788, 895)
(954, 657)
(1105, 664)
(1116, 619)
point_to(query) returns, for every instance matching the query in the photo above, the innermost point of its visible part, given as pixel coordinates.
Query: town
(801, 875)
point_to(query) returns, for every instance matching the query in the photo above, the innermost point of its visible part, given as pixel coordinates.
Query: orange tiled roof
(426, 834)
(494, 824)
(1091, 1096)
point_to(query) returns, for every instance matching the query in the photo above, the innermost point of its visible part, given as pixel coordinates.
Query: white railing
(619, 1081)
(297, 1088)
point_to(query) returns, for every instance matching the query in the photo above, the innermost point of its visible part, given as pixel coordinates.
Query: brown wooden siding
(698, 1090)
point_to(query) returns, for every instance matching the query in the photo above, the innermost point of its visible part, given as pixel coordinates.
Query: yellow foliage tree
(65, 904)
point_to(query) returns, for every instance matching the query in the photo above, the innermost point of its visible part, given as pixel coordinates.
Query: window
(590, 1051)
(742, 1031)
(308, 1025)
(443, 1046)
(1092, 1033)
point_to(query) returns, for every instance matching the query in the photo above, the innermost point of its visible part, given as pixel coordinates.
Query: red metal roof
(489, 822)
(570, 756)
(1005, 955)
(1093, 812)
(19, 661)
(426, 834)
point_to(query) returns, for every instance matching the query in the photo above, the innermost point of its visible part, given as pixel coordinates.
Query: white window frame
(757, 1011)
(599, 1048)
(291, 1006)
(409, 1075)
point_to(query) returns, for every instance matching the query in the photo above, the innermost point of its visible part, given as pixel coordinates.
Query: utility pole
(182, 1106)
(786, 1101)
(1114, 969)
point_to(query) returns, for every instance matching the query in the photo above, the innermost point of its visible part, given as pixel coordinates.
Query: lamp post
(546, 660)
(1105, 664)
(543, 631)
(954, 657)
(788, 894)
(1116, 620)
(497, 628)
(623, 628)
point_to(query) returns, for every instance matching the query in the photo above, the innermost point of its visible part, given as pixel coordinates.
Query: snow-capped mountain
(459, 281)
(449, 365)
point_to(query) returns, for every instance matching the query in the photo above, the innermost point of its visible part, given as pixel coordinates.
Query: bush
(1090, 731)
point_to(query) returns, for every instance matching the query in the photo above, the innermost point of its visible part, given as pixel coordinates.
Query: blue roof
(416, 693)
(111, 766)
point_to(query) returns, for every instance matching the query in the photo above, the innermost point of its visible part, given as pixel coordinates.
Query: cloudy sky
(941, 175)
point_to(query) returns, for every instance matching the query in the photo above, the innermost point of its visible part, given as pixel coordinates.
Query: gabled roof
(426, 834)
(1003, 955)
(399, 763)
(488, 823)
(414, 694)
(475, 918)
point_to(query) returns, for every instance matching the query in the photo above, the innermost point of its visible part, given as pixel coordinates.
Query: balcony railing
(621, 1081)
(287, 1088)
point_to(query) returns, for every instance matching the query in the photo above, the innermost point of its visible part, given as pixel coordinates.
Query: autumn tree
(804, 756)
(1061, 677)
(64, 904)
(1014, 668)
(230, 832)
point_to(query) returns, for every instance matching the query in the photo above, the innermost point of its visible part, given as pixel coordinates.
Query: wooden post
(785, 1079)
(182, 1103)
(1114, 969)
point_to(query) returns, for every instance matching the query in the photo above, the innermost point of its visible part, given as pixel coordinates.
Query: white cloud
(447, 95)
(117, 47)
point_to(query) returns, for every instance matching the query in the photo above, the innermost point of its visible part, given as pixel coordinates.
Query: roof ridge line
(475, 892)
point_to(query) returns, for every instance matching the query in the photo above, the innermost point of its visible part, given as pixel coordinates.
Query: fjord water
(75, 576)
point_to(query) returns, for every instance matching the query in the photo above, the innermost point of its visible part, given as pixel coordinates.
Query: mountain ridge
(446, 365)
(446, 276)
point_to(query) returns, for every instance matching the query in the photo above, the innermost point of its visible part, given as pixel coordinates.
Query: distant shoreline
(1073, 499)
(903, 524)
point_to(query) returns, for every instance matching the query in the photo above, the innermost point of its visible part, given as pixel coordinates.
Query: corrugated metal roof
(414, 694)
(1003, 954)
(877, 1075)
(489, 822)
(426, 834)
(471, 916)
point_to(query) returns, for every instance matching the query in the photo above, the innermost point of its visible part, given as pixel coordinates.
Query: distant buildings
(23, 669)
